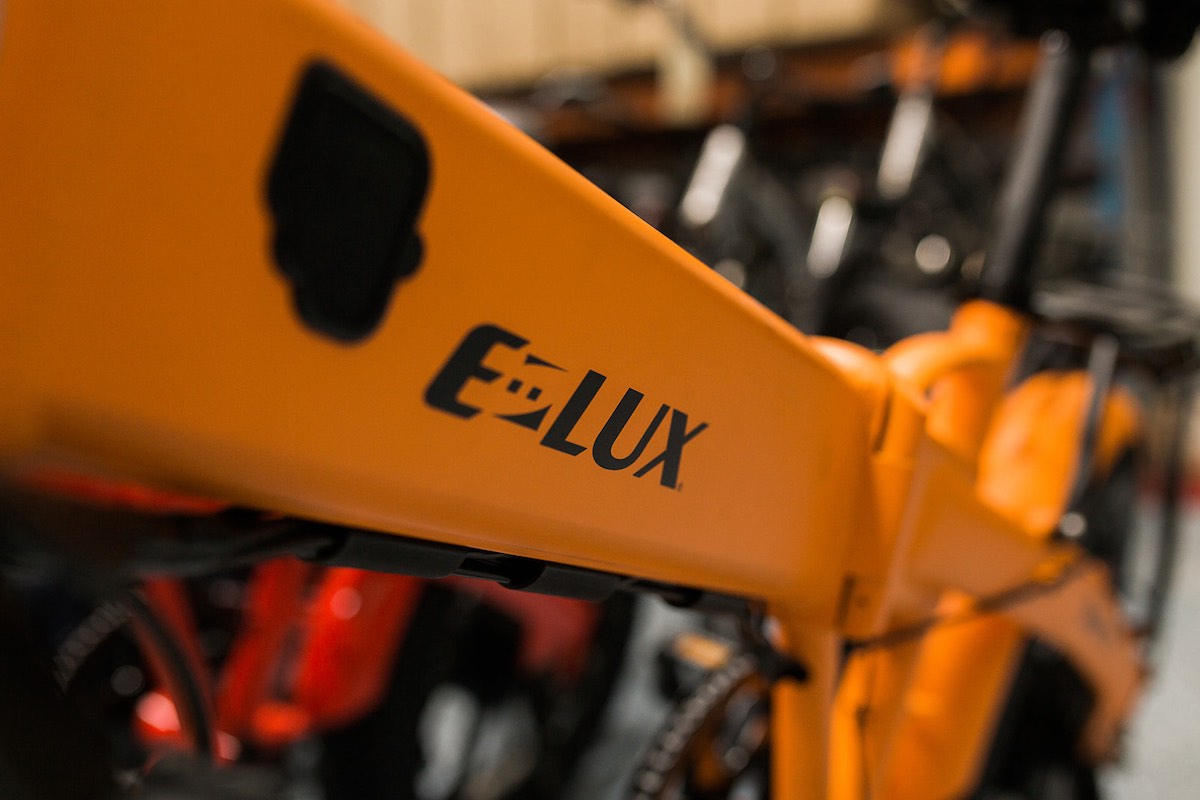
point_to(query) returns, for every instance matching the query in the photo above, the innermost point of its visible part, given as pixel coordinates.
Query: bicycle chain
(85, 637)
(685, 722)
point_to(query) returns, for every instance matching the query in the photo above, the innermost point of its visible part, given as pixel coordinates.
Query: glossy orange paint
(146, 332)
(969, 657)
(1031, 460)
(961, 371)
(134, 135)
(947, 384)
(951, 708)
(915, 717)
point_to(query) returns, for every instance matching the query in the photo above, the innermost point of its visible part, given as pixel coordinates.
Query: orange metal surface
(962, 371)
(875, 688)
(973, 60)
(915, 716)
(1069, 603)
(890, 739)
(802, 755)
(1029, 466)
(146, 333)
(951, 709)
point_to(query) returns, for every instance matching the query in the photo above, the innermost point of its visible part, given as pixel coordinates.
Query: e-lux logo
(468, 365)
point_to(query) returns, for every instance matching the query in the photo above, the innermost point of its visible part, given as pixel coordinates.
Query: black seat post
(1050, 111)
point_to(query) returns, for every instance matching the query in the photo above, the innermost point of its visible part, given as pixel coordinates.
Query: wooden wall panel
(508, 43)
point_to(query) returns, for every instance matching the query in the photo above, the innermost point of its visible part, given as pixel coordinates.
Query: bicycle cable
(690, 717)
(1031, 589)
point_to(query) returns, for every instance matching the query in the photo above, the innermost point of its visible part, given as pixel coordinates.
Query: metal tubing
(1034, 171)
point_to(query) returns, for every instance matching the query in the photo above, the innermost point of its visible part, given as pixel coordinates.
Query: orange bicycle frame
(553, 380)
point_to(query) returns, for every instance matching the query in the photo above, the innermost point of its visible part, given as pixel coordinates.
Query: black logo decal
(467, 366)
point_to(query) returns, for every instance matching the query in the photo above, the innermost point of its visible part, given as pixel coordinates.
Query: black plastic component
(404, 556)
(382, 552)
(1050, 111)
(565, 581)
(1158, 332)
(1102, 369)
(1174, 478)
(1168, 26)
(44, 530)
(345, 188)
(400, 555)
(692, 599)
